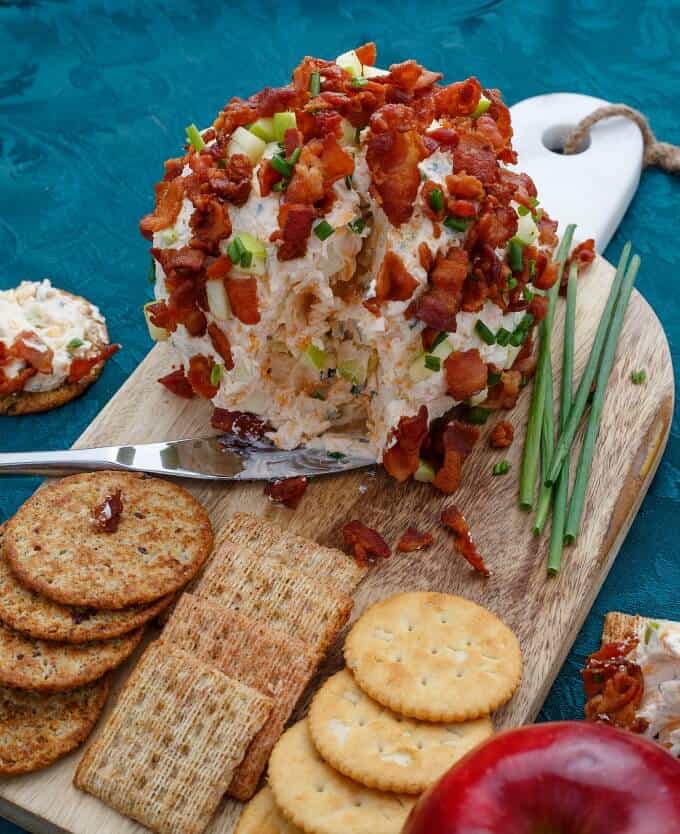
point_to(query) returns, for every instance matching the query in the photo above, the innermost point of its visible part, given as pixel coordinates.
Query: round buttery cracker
(383, 750)
(319, 800)
(434, 656)
(262, 816)
(44, 666)
(35, 615)
(54, 547)
(37, 729)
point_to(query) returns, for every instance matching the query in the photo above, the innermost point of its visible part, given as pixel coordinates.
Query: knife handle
(59, 462)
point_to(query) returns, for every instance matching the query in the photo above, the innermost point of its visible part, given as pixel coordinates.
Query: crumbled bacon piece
(210, 224)
(292, 139)
(169, 196)
(442, 136)
(450, 271)
(546, 276)
(286, 491)
(234, 181)
(501, 435)
(412, 540)
(393, 152)
(186, 260)
(455, 521)
(267, 176)
(29, 347)
(614, 686)
(459, 99)
(457, 440)
(219, 268)
(107, 514)
(242, 424)
(464, 186)
(497, 225)
(547, 230)
(462, 208)
(82, 365)
(437, 308)
(295, 223)
(367, 53)
(409, 76)
(200, 371)
(466, 374)
(425, 256)
(366, 544)
(538, 307)
(14, 384)
(402, 457)
(474, 156)
(504, 394)
(242, 293)
(426, 196)
(395, 282)
(583, 255)
(221, 344)
(177, 383)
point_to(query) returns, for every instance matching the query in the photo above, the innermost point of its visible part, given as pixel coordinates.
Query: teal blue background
(95, 95)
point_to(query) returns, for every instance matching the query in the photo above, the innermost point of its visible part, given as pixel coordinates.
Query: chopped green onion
(281, 185)
(512, 282)
(501, 468)
(458, 224)
(516, 255)
(236, 250)
(484, 333)
(281, 165)
(74, 344)
(477, 415)
(585, 461)
(532, 268)
(215, 374)
(432, 363)
(528, 295)
(556, 545)
(503, 337)
(583, 391)
(438, 340)
(348, 182)
(534, 201)
(194, 137)
(246, 259)
(357, 225)
(315, 83)
(436, 199)
(482, 106)
(493, 379)
(518, 337)
(336, 455)
(649, 630)
(638, 377)
(359, 82)
(151, 275)
(535, 423)
(522, 211)
(424, 473)
(323, 230)
(293, 158)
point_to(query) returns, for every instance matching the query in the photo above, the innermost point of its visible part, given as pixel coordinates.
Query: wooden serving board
(545, 612)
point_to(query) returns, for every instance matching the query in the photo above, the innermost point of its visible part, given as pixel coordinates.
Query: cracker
(42, 666)
(336, 568)
(54, 548)
(37, 729)
(274, 663)
(35, 615)
(434, 656)
(169, 749)
(620, 627)
(262, 816)
(381, 749)
(265, 589)
(319, 800)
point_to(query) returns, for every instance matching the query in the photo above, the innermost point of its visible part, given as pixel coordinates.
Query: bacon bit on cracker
(107, 514)
(455, 521)
(502, 435)
(366, 544)
(413, 539)
(286, 491)
(614, 686)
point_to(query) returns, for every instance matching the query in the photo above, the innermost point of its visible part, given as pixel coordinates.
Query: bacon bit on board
(412, 540)
(455, 521)
(366, 544)
(31, 348)
(402, 457)
(502, 435)
(614, 686)
(286, 491)
(82, 365)
(178, 384)
(107, 514)
(466, 374)
(242, 424)
(457, 440)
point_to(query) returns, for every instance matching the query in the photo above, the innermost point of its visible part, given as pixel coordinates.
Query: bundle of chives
(556, 544)
(535, 425)
(592, 430)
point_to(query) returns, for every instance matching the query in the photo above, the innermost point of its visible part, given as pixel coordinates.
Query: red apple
(569, 777)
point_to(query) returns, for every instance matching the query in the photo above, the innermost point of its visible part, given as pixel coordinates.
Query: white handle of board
(592, 188)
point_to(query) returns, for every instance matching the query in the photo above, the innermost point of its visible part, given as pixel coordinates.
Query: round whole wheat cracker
(44, 666)
(32, 402)
(262, 816)
(37, 729)
(381, 749)
(433, 656)
(54, 547)
(35, 615)
(319, 800)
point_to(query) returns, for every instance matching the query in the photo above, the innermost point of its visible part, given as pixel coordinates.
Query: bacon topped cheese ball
(347, 259)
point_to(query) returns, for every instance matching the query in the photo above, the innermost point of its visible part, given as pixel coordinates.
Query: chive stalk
(583, 391)
(556, 544)
(532, 439)
(547, 445)
(194, 137)
(585, 460)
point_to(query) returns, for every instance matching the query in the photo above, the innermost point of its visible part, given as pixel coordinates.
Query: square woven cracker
(170, 748)
(276, 664)
(618, 626)
(336, 568)
(267, 590)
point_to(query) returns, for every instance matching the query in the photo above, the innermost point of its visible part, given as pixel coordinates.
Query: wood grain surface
(546, 613)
